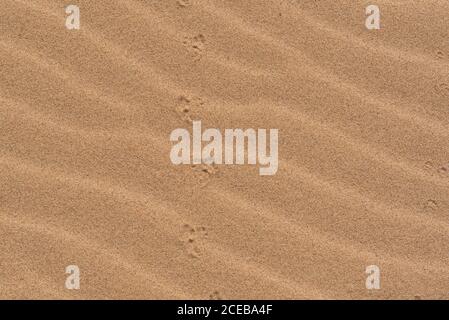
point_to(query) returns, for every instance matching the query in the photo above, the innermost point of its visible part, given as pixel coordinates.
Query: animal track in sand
(440, 54)
(183, 3)
(442, 170)
(215, 296)
(205, 168)
(186, 105)
(204, 172)
(193, 236)
(431, 205)
(196, 45)
(183, 108)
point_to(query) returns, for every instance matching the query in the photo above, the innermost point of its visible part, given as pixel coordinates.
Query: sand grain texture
(86, 178)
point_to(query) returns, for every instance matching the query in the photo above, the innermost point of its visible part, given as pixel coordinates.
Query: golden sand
(86, 178)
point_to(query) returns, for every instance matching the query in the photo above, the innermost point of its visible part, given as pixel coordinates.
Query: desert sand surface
(86, 178)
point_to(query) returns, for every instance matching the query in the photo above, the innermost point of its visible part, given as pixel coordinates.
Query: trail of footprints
(193, 238)
(442, 88)
(188, 108)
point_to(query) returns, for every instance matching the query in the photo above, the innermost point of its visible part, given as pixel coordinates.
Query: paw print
(196, 44)
(204, 172)
(215, 296)
(431, 205)
(193, 236)
(185, 106)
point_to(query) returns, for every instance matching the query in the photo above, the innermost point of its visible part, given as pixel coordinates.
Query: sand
(86, 178)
